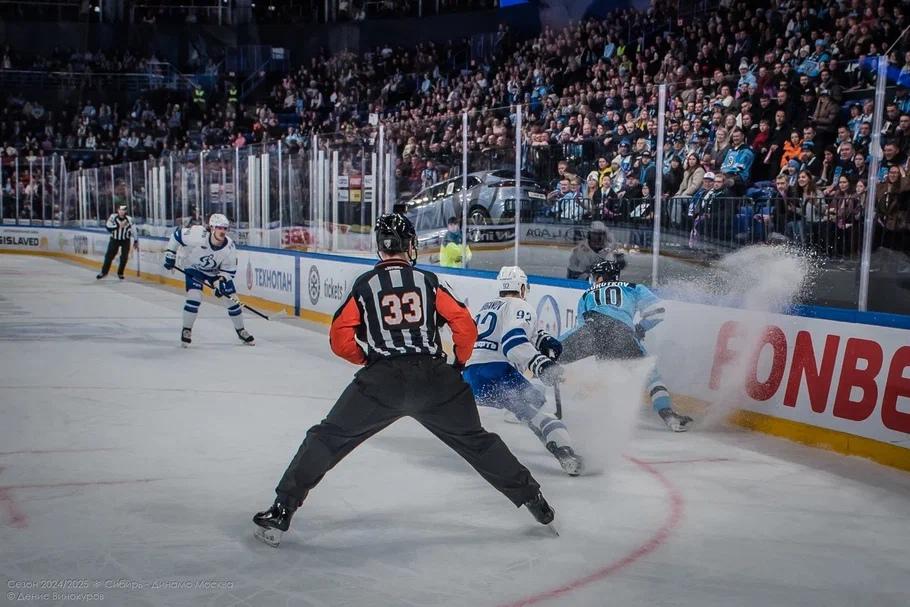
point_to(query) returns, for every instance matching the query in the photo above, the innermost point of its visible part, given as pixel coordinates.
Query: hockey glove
(549, 372)
(224, 287)
(170, 260)
(458, 366)
(639, 332)
(549, 345)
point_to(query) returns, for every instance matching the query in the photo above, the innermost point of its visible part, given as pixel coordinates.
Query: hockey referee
(390, 325)
(122, 230)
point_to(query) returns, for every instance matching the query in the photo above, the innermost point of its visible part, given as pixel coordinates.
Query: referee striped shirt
(397, 310)
(121, 228)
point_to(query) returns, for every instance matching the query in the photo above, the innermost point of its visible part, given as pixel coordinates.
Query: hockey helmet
(597, 235)
(396, 234)
(217, 220)
(608, 270)
(511, 279)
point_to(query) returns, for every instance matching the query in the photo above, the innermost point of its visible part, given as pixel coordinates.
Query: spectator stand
(589, 106)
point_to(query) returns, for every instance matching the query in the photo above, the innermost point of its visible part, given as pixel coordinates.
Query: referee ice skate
(396, 310)
(122, 230)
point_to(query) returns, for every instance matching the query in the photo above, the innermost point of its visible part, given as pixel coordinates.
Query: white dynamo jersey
(505, 333)
(199, 254)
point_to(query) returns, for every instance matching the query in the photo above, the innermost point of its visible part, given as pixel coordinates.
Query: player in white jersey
(506, 346)
(210, 259)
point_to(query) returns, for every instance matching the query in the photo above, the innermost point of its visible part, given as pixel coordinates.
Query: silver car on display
(490, 199)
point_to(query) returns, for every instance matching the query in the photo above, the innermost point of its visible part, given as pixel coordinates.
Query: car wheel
(479, 216)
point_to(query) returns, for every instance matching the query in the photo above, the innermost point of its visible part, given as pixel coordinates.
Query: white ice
(126, 458)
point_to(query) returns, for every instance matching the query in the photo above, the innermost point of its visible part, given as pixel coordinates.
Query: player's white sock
(236, 314)
(190, 310)
(550, 429)
(552, 432)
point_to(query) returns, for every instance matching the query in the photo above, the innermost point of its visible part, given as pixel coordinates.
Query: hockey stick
(237, 301)
(138, 258)
(558, 398)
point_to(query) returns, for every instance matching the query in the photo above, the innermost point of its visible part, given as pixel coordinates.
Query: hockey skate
(186, 337)
(510, 418)
(272, 523)
(540, 509)
(675, 421)
(572, 463)
(100, 276)
(245, 337)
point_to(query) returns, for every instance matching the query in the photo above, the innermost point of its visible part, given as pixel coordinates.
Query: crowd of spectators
(757, 97)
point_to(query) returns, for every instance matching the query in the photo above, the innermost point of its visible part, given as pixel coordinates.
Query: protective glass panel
(560, 183)
(10, 184)
(889, 264)
(754, 209)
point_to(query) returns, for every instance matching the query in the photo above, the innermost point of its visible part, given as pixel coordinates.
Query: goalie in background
(450, 249)
(607, 329)
(598, 246)
(506, 346)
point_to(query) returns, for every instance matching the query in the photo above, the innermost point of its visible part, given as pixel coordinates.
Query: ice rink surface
(126, 460)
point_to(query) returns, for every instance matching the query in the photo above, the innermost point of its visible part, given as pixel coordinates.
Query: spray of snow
(763, 280)
(602, 404)
(757, 278)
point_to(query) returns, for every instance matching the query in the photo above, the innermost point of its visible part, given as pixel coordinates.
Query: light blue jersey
(621, 301)
(618, 303)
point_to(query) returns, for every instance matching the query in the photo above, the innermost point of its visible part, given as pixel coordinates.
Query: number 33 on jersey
(401, 309)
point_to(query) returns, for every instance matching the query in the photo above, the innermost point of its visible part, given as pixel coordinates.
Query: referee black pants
(112, 247)
(421, 387)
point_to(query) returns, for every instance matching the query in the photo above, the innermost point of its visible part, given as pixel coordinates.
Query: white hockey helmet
(511, 279)
(217, 220)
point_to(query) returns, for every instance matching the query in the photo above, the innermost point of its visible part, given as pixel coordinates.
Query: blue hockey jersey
(621, 301)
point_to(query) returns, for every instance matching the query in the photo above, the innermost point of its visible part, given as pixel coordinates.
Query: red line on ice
(16, 517)
(699, 460)
(674, 518)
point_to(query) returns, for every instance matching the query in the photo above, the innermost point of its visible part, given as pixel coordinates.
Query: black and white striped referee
(390, 323)
(122, 230)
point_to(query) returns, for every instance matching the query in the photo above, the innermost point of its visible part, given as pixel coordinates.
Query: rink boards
(839, 385)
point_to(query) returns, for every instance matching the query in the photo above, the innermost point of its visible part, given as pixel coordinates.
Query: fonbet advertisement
(841, 376)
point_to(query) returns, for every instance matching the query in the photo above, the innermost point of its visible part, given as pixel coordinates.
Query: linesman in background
(122, 230)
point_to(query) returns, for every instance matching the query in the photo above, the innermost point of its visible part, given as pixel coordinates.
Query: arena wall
(844, 386)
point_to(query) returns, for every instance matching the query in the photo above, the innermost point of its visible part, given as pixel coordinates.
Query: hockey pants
(112, 247)
(608, 339)
(418, 386)
(501, 386)
(194, 284)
